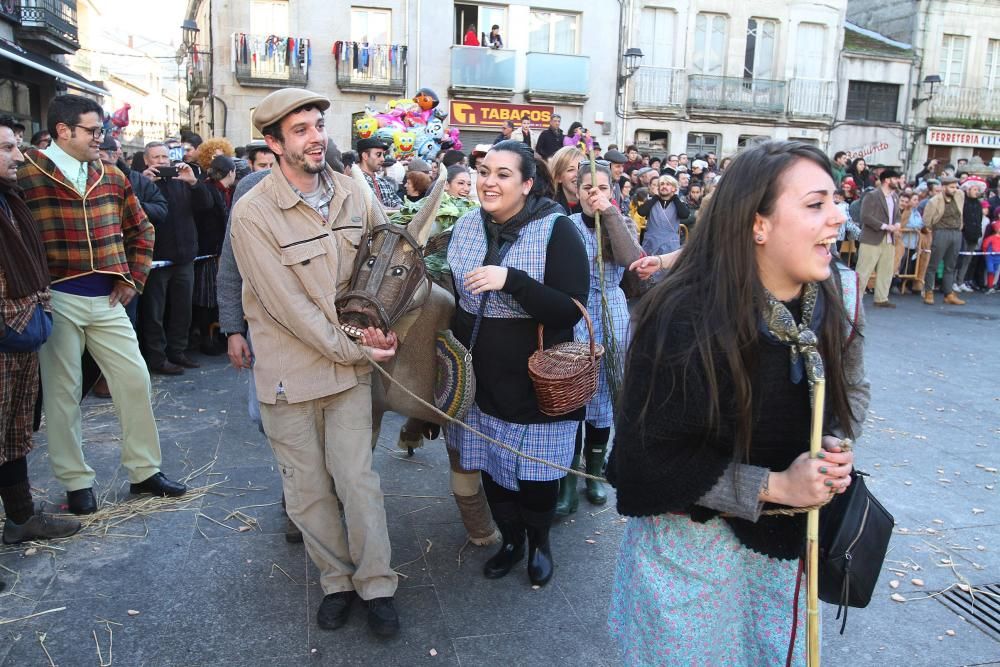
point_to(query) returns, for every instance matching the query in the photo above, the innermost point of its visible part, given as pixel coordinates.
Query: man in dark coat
(550, 139)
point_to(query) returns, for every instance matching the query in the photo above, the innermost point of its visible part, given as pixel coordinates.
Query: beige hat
(280, 103)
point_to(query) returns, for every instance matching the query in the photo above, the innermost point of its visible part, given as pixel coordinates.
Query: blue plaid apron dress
(552, 441)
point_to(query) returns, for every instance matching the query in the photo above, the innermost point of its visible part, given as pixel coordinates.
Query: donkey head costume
(389, 277)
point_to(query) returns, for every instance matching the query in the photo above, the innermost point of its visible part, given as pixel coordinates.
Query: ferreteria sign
(495, 114)
(940, 136)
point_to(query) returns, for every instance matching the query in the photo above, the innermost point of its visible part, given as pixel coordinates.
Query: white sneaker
(962, 287)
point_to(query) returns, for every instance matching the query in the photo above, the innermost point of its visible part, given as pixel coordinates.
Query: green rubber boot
(596, 493)
(568, 499)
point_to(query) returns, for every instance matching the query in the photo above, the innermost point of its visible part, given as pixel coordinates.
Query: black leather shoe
(382, 617)
(81, 501)
(158, 485)
(184, 361)
(334, 610)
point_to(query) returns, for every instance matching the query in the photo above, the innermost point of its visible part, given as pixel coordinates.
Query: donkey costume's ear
(374, 213)
(423, 222)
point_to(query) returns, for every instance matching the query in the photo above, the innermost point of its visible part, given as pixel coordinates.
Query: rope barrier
(433, 408)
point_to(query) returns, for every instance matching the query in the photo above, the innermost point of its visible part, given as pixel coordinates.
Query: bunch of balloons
(410, 127)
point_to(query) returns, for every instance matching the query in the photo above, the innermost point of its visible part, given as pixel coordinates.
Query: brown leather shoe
(884, 304)
(166, 368)
(184, 361)
(100, 389)
(929, 298)
(953, 300)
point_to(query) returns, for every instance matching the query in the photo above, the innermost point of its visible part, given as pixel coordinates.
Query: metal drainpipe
(211, 70)
(416, 60)
(921, 19)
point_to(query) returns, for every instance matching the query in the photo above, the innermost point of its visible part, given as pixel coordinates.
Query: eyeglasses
(600, 163)
(95, 132)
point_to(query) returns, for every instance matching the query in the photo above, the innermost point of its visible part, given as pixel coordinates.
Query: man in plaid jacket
(99, 246)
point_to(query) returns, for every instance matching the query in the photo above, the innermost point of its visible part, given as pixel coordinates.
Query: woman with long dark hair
(619, 247)
(862, 176)
(518, 262)
(715, 418)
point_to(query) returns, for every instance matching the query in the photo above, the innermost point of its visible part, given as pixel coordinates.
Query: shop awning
(14, 52)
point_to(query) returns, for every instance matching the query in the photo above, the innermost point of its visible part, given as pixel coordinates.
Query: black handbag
(854, 532)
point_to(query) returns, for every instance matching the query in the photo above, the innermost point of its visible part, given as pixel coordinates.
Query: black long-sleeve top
(177, 236)
(500, 355)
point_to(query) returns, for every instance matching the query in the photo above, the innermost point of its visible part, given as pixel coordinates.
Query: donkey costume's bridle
(367, 290)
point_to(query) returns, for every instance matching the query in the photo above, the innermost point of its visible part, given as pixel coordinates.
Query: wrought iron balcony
(659, 88)
(557, 77)
(483, 71)
(52, 22)
(371, 68)
(197, 75)
(269, 61)
(811, 98)
(736, 94)
(956, 103)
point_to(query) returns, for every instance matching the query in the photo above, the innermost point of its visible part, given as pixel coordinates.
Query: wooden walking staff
(812, 534)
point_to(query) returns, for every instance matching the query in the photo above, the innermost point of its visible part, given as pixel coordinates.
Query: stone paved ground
(208, 593)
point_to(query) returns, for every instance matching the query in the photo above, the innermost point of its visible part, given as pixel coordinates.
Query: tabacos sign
(495, 114)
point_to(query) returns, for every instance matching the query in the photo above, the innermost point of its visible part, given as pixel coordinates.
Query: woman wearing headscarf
(715, 419)
(619, 248)
(518, 263)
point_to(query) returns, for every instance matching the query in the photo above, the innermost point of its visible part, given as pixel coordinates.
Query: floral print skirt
(689, 594)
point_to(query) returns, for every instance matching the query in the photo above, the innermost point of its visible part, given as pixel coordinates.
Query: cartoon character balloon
(366, 127)
(434, 129)
(402, 144)
(386, 135)
(426, 99)
(427, 147)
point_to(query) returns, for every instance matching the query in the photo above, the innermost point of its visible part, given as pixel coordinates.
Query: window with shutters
(993, 64)
(867, 100)
(656, 37)
(810, 49)
(269, 17)
(709, 53)
(758, 59)
(554, 32)
(952, 63)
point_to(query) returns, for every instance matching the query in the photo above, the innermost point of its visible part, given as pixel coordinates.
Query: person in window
(715, 419)
(520, 262)
(495, 41)
(470, 36)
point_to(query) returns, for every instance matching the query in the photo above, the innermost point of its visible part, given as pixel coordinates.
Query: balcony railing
(659, 88)
(557, 77)
(483, 70)
(377, 68)
(271, 61)
(969, 104)
(811, 98)
(50, 21)
(197, 75)
(730, 93)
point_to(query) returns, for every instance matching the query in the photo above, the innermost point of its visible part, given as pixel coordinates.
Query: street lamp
(189, 33)
(630, 59)
(931, 80)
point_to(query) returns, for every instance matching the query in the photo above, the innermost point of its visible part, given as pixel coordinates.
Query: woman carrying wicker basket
(526, 261)
(619, 247)
(715, 419)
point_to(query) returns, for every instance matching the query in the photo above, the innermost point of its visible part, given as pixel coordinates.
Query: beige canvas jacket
(294, 264)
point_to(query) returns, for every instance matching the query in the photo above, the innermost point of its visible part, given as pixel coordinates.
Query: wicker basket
(565, 375)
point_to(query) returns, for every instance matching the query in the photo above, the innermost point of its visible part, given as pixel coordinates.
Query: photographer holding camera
(165, 344)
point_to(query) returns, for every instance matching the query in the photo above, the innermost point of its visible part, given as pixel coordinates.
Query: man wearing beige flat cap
(295, 236)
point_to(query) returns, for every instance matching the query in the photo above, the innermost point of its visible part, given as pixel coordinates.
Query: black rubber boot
(508, 518)
(596, 493)
(569, 498)
(540, 565)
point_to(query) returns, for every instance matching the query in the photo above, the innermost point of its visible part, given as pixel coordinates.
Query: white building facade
(379, 50)
(717, 75)
(957, 45)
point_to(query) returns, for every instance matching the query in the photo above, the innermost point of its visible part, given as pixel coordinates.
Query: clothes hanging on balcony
(271, 53)
(375, 61)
